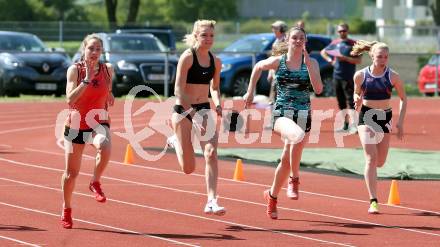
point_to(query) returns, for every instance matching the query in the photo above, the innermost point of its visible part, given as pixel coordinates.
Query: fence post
(436, 74)
(166, 72)
(237, 27)
(60, 35)
(254, 61)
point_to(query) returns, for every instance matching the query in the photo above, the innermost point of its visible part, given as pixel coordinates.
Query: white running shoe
(172, 141)
(213, 208)
(374, 208)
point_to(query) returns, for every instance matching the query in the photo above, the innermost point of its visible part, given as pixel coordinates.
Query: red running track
(152, 203)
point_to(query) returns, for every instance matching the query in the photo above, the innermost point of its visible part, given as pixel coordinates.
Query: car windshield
(248, 44)
(433, 60)
(23, 43)
(135, 44)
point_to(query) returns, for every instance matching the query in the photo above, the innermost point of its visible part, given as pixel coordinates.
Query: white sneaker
(213, 208)
(172, 141)
(352, 130)
(374, 208)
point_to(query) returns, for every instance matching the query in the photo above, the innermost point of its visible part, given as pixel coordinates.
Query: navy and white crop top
(198, 74)
(377, 87)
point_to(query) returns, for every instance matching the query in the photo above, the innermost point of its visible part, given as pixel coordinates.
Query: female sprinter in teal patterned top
(295, 73)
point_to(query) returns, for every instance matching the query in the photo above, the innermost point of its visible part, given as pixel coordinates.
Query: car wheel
(11, 93)
(58, 94)
(328, 88)
(240, 84)
(116, 92)
(429, 94)
(2, 90)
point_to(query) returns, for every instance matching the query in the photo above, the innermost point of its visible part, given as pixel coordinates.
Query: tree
(191, 10)
(16, 11)
(60, 6)
(111, 12)
(112, 8)
(133, 10)
(435, 8)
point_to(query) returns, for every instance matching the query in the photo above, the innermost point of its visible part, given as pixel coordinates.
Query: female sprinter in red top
(88, 93)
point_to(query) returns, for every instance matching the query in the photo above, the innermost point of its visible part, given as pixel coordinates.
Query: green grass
(411, 90)
(218, 46)
(69, 46)
(31, 98)
(52, 98)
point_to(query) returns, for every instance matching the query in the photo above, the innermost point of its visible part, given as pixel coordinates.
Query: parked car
(28, 66)
(426, 79)
(165, 35)
(237, 62)
(138, 59)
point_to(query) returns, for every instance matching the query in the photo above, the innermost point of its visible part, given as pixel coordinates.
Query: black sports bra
(198, 74)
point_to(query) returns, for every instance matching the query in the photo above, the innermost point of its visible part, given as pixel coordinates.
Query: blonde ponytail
(362, 46)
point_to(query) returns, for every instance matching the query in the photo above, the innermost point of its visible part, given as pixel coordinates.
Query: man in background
(338, 54)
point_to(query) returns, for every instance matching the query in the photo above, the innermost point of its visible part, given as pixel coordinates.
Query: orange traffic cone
(393, 198)
(238, 173)
(128, 160)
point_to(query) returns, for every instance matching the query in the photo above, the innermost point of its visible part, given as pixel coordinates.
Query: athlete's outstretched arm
(73, 89)
(266, 64)
(215, 84)
(357, 94)
(398, 84)
(183, 66)
(315, 76)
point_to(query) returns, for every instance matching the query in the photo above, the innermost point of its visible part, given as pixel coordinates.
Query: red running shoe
(293, 188)
(96, 188)
(66, 218)
(271, 205)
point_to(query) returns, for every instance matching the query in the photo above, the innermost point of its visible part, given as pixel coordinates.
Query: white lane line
(24, 121)
(183, 214)
(234, 181)
(51, 126)
(98, 224)
(227, 198)
(19, 241)
(27, 129)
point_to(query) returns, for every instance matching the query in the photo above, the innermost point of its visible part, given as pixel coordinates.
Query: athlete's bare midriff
(196, 93)
(383, 104)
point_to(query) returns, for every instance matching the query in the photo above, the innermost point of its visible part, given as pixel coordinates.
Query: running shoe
(66, 218)
(271, 210)
(293, 188)
(212, 207)
(374, 208)
(172, 141)
(352, 130)
(96, 188)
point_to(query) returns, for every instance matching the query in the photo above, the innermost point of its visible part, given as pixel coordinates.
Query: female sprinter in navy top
(295, 72)
(372, 93)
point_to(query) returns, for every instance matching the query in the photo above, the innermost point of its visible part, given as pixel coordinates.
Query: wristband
(85, 81)
(218, 108)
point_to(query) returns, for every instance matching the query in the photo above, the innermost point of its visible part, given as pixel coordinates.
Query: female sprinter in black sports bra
(372, 93)
(198, 73)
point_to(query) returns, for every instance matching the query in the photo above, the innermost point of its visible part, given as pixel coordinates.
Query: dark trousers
(344, 93)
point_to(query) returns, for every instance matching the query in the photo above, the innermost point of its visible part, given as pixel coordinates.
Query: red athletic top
(94, 97)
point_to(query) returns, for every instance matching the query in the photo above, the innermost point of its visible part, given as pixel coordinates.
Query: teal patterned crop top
(293, 87)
